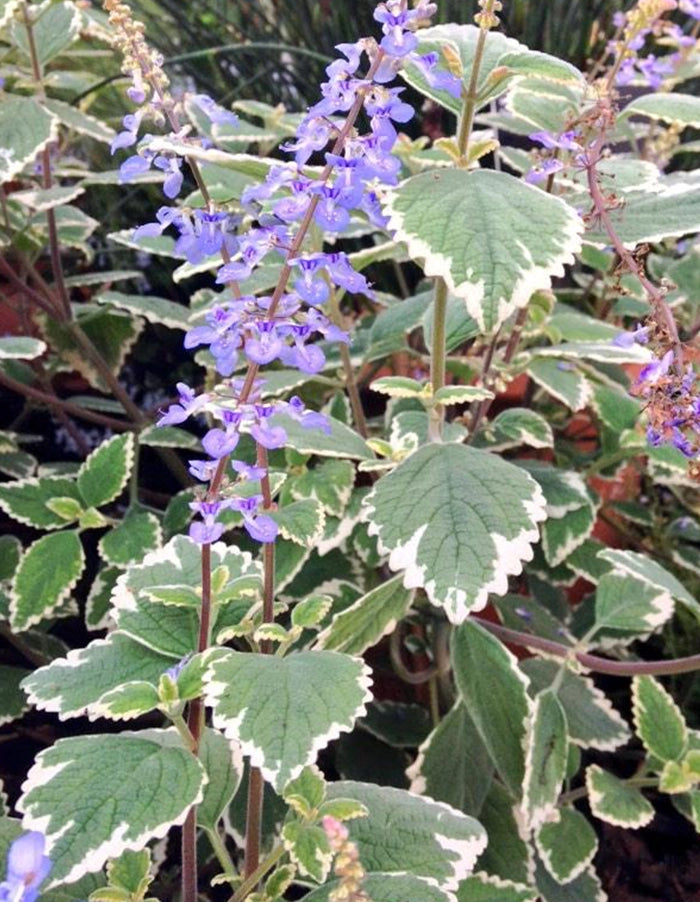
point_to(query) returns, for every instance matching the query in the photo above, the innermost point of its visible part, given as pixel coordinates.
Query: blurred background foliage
(276, 50)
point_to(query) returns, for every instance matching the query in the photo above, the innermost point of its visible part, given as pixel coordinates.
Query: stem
(252, 881)
(221, 852)
(593, 662)
(566, 798)
(358, 413)
(466, 121)
(438, 358)
(253, 822)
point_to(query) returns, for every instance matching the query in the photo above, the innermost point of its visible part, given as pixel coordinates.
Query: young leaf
(614, 802)
(326, 691)
(425, 838)
(132, 787)
(453, 764)
(363, 624)
(545, 759)
(566, 844)
(514, 427)
(306, 793)
(543, 232)
(309, 849)
(47, 572)
(73, 686)
(106, 471)
(459, 521)
(494, 691)
(26, 500)
(129, 872)
(658, 719)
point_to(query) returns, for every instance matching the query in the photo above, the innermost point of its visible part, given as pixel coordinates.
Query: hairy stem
(438, 357)
(592, 662)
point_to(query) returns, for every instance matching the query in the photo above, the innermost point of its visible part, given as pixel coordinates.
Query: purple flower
(266, 347)
(172, 167)
(565, 141)
(128, 137)
(247, 472)
(329, 215)
(691, 8)
(629, 339)
(208, 530)
(134, 166)
(652, 372)
(438, 79)
(189, 403)
(175, 671)
(27, 868)
(543, 171)
(215, 113)
(205, 235)
(260, 527)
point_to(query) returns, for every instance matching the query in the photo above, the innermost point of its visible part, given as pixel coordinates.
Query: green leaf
(630, 605)
(387, 888)
(106, 471)
(482, 887)
(504, 61)
(47, 572)
(301, 521)
(650, 216)
(677, 109)
(249, 694)
(424, 838)
(342, 442)
(54, 29)
(26, 500)
(462, 394)
(99, 600)
(372, 616)
(309, 613)
(658, 719)
(129, 701)
(514, 427)
(20, 347)
(127, 542)
(592, 721)
(171, 629)
(507, 854)
(306, 793)
(398, 724)
(584, 888)
(13, 701)
(561, 381)
(494, 691)
(10, 552)
(566, 844)
(309, 849)
(169, 437)
(643, 569)
(545, 759)
(223, 766)
(130, 871)
(83, 123)
(458, 520)
(74, 685)
(453, 764)
(614, 802)
(132, 787)
(398, 387)
(26, 128)
(68, 509)
(155, 310)
(543, 234)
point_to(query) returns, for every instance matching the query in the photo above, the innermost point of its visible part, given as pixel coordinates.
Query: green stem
(566, 798)
(466, 120)
(249, 884)
(438, 357)
(221, 852)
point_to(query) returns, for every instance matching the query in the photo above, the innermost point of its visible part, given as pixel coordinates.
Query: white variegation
(614, 802)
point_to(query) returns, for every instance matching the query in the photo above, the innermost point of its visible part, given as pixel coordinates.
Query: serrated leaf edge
(129, 452)
(594, 798)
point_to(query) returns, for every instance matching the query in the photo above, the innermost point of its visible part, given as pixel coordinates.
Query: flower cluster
(27, 868)
(347, 866)
(671, 394)
(643, 20)
(244, 331)
(549, 164)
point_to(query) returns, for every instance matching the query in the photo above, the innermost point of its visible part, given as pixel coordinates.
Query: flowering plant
(396, 345)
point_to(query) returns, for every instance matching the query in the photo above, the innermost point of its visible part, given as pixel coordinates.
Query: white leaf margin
(545, 854)
(596, 796)
(39, 775)
(129, 454)
(213, 690)
(537, 278)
